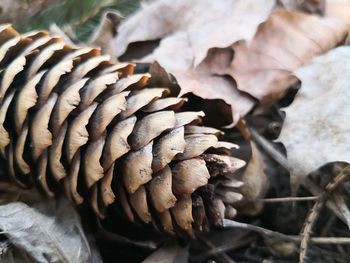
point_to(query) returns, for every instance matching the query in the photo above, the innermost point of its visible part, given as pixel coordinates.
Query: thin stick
(331, 240)
(288, 199)
(267, 146)
(317, 190)
(114, 237)
(312, 217)
(220, 254)
(240, 240)
(310, 221)
(227, 223)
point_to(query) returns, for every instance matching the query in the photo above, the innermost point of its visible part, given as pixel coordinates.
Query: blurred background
(77, 18)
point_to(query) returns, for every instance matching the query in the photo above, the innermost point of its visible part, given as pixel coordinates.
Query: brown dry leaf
(199, 39)
(282, 44)
(10, 192)
(55, 30)
(306, 6)
(192, 27)
(203, 25)
(256, 183)
(203, 83)
(316, 129)
(106, 31)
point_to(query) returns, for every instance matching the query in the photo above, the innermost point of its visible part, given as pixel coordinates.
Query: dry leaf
(316, 129)
(194, 27)
(203, 25)
(256, 183)
(202, 82)
(307, 6)
(11, 192)
(106, 31)
(55, 30)
(282, 44)
(170, 252)
(49, 232)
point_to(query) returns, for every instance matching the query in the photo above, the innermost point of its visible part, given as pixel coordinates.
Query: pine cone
(71, 119)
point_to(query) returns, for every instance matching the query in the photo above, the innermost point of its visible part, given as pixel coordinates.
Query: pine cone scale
(117, 141)
(167, 147)
(150, 127)
(137, 168)
(160, 188)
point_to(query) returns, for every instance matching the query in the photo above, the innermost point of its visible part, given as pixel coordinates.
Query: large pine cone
(69, 117)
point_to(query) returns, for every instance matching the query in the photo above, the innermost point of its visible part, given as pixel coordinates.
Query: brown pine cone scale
(71, 119)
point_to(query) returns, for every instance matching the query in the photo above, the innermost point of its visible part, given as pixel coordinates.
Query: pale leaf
(316, 130)
(256, 182)
(283, 43)
(170, 252)
(204, 24)
(49, 232)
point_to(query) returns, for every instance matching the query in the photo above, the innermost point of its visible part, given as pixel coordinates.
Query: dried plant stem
(307, 230)
(240, 240)
(306, 182)
(330, 240)
(331, 204)
(113, 237)
(226, 223)
(270, 150)
(316, 209)
(219, 254)
(289, 199)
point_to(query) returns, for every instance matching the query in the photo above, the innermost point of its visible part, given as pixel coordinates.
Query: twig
(227, 223)
(308, 225)
(326, 228)
(327, 255)
(113, 237)
(316, 209)
(240, 240)
(219, 254)
(267, 146)
(316, 190)
(331, 240)
(288, 199)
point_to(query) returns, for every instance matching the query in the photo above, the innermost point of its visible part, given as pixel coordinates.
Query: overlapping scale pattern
(71, 119)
